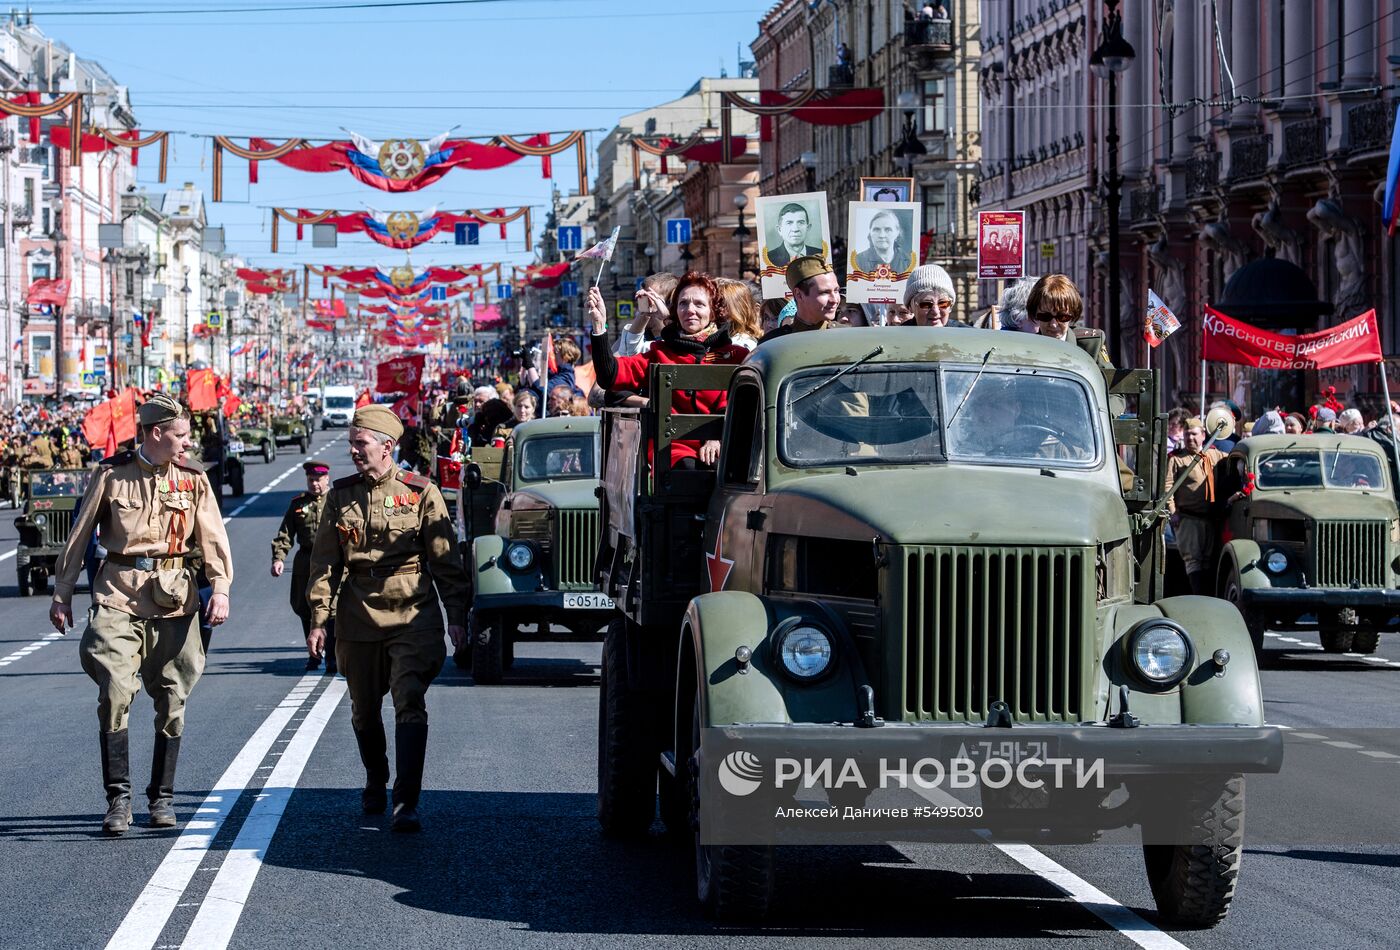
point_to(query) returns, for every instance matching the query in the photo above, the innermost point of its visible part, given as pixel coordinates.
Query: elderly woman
(929, 295)
(1011, 308)
(1351, 421)
(1055, 305)
(692, 337)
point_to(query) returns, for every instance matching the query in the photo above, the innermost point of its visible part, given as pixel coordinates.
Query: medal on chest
(401, 504)
(176, 492)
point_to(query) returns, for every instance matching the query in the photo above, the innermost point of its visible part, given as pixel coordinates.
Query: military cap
(379, 419)
(806, 267)
(314, 467)
(160, 408)
(1195, 422)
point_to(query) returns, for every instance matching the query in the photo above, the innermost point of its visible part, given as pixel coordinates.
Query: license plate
(590, 601)
(1014, 751)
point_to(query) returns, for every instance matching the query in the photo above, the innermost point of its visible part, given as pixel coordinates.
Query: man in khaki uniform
(71, 455)
(153, 510)
(1194, 512)
(298, 530)
(388, 540)
(40, 454)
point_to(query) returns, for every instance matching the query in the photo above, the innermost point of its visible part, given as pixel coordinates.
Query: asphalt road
(272, 852)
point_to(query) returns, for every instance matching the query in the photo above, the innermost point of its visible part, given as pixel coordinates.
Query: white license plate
(590, 601)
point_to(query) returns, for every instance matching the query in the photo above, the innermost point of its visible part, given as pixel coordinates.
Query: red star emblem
(717, 564)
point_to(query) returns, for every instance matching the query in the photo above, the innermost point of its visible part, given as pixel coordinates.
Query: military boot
(160, 794)
(116, 779)
(374, 754)
(410, 748)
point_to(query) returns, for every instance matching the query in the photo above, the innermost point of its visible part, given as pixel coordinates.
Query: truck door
(734, 527)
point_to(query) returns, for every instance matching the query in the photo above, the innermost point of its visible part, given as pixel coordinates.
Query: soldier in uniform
(387, 538)
(298, 529)
(154, 510)
(40, 454)
(1194, 508)
(70, 455)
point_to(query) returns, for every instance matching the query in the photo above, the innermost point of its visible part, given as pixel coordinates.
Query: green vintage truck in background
(915, 535)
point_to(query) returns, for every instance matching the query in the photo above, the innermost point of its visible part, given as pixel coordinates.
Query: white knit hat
(930, 278)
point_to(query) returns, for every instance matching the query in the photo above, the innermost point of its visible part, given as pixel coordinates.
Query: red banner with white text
(1232, 341)
(401, 375)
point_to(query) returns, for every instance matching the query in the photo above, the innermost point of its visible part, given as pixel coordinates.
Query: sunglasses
(929, 305)
(1045, 317)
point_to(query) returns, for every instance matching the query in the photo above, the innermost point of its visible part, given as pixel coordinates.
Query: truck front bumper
(1305, 599)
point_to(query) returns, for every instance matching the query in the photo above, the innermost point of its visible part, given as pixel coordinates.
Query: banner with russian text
(401, 375)
(1227, 340)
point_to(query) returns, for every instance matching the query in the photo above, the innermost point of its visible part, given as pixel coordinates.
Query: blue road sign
(677, 230)
(467, 234)
(570, 237)
(89, 379)
(568, 288)
(438, 293)
(504, 291)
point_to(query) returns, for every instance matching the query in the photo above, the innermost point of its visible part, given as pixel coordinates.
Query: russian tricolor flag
(1390, 207)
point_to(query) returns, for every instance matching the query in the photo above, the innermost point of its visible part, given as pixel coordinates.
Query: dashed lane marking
(22, 652)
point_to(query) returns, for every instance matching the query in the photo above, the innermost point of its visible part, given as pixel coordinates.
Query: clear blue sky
(512, 66)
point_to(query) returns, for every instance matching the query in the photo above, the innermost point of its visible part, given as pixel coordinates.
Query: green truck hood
(950, 505)
(571, 493)
(1323, 505)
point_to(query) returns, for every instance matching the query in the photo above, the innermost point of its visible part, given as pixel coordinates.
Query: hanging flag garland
(399, 229)
(813, 106)
(697, 148)
(105, 140)
(30, 105)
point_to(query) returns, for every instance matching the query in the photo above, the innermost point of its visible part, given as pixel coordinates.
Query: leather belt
(146, 563)
(386, 570)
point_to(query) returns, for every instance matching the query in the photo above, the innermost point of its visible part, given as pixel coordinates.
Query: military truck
(220, 451)
(46, 523)
(289, 430)
(915, 536)
(257, 439)
(1315, 543)
(536, 566)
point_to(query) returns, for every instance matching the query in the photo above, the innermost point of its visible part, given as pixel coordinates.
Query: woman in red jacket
(693, 336)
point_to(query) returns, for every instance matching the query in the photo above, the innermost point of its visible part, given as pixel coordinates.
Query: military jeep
(1315, 544)
(916, 539)
(291, 430)
(257, 439)
(537, 566)
(46, 523)
(220, 452)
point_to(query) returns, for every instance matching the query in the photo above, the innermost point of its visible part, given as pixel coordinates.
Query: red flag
(124, 416)
(146, 325)
(203, 388)
(549, 362)
(97, 424)
(44, 290)
(1227, 340)
(231, 405)
(403, 374)
(365, 399)
(407, 407)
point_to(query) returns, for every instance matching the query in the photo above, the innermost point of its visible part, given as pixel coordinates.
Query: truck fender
(717, 624)
(1245, 553)
(1213, 625)
(490, 576)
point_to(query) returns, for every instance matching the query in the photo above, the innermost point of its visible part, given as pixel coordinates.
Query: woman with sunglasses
(1055, 305)
(929, 295)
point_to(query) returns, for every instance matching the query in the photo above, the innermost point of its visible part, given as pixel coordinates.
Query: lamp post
(59, 239)
(742, 232)
(650, 252)
(1113, 55)
(185, 297)
(809, 164)
(909, 149)
(146, 317)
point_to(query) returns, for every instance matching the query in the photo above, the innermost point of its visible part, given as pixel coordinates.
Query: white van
(338, 406)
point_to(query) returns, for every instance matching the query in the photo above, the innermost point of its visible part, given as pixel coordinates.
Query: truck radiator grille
(60, 523)
(575, 548)
(989, 623)
(1350, 552)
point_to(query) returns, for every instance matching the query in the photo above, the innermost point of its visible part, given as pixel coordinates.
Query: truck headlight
(1159, 652)
(40, 520)
(520, 556)
(805, 651)
(1276, 562)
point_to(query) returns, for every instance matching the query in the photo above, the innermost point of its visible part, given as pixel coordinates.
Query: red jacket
(632, 372)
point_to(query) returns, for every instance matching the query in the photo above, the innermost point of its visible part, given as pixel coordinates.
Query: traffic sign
(624, 310)
(438, 293)
(570, 237)
(99, 364)
(90, 379)
(677, 230)
(568, 288)
(504, 291)
(468, 234)
(214, 320)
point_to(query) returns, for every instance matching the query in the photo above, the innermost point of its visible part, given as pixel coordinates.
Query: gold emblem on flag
(402, 276)
(402, 225)
(402, 159)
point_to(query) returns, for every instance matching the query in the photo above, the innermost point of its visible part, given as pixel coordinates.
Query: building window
(29, 198)
(39, 272)
(45, 221)
(936, 219)
(936, 105)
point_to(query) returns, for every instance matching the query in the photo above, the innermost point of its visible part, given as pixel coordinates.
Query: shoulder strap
(121, 458)
(414, 480)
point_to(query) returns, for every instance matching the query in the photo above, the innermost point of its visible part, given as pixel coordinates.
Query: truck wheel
(508, 660)
(488, 659)
(733, 882)
(626, 754)
(1365, 641)
(1194, 882)
(304, 444)
(1338, 640)
(22, 578)
(1254, 625)
(235, 482)
(269, 452)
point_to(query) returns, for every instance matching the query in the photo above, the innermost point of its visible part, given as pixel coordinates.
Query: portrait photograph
(789, 227)
(883, 237)
(887, 189)
(1000, 245)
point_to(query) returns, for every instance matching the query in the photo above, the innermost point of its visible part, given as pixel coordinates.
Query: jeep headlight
(805, 651)
(1276, 562)
(1159, 652)
(520, 556)
(40, 520)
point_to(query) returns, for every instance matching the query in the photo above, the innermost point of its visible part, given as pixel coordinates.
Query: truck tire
(38, 580)
(488, 659)
(22, 578)
(1231, 592)
(235, 482)
(304, 444)
(1194, 882)
(1337, 640)
(733, 882)
(1366, 641)
(269, 451)
(626, 757)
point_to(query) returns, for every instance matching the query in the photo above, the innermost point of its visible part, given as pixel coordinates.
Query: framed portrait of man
(1000, 251)
(884, 249)
(887, 189)
(789, 227)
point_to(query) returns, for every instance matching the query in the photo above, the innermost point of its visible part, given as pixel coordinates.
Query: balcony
(1249, 157)
(1202, 174)
(840, 76)
(1144, 203)
(1305, 143)
(928, 35)
(950, 247)
(1371, 125)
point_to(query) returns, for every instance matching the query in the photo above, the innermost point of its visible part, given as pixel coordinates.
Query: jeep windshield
(900, 414)
(556, 457)
(1305, 468)
(61, 484)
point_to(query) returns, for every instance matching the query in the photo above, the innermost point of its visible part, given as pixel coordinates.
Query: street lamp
(58, 238)
(909, 149)
(185, 295)
(142, 270)
(1113, 55)
(809, 162)
(742, 232)
(650, 252)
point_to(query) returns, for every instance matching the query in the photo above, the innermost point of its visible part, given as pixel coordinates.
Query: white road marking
(218, 916)
(1309, 735)
(1339, 744)
(25, 651)
(147, 917)
(1375, 754)
(7, 555)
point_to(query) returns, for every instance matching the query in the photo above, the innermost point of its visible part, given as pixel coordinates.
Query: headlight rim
(788, 628)
(1269, 561)
(519, 546)
(39, 519)
(1130, 641)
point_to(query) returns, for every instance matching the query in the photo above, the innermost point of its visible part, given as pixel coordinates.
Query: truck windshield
(558, 456)
(1303, 468)
(62, 484)
(897, 414)
(339, 402)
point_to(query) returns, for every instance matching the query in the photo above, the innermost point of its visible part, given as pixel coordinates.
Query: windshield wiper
(835, 376)
(975, 380)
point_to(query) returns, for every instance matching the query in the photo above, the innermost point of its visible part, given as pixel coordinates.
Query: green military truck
(291, 430)
(257, 439)
(47, 521)
(916, 537)
(1315, 544)
(536, 567)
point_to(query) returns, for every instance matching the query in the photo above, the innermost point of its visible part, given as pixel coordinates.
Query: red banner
(401, 375)
(203, 388)
(45, 290)
(1231, 341)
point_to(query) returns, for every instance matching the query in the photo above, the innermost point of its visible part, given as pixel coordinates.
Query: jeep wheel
(733, 882)
(626, 756)
(22, 579)
(488, 659)
(304, 444)
(269, 451)
(1365, 641)
(1254, 625)
(38, 581)
(1194, 882)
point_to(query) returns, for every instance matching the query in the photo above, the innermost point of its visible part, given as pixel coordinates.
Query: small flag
(264, 355)
(1390, 207)
(1161, 322)
(604, 250)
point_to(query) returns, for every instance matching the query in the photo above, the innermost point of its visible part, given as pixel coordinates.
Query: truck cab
(915, 538)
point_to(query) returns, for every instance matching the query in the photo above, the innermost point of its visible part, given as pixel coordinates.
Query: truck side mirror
(471, 475)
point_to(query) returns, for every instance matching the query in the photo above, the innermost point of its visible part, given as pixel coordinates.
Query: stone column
(1299, 44)
(1184, 84)
(1358, 44)
(1244, 58)
(1133, 87)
